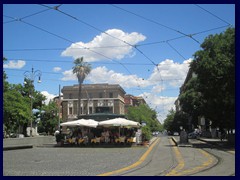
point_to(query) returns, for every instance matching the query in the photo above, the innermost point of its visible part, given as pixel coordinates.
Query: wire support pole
(30, 76)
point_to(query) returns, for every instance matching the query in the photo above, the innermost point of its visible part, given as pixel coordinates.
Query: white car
(176, 134)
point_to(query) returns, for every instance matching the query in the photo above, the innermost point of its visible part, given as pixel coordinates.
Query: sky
(146, 48)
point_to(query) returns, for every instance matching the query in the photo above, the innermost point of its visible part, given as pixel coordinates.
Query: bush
(146, 133)
(59, 137)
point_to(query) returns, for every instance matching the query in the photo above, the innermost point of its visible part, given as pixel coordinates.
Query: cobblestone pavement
(68, 161)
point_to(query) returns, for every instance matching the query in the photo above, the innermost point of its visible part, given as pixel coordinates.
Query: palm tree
(81, 69)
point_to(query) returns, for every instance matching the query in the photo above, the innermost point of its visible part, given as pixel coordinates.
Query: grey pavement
(40, 161)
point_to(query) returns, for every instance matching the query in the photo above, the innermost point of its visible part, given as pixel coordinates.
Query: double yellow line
(177, 171)
(140, 161)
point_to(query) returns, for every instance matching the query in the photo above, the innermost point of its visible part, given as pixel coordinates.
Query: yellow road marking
(201, 167)
(231, 151)
(140, 161)
(176, 171)
(180, 161)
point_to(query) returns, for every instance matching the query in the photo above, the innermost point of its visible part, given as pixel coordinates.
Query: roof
(102, 116)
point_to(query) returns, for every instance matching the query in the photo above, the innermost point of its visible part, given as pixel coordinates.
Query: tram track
(164, 161)
(150, 160)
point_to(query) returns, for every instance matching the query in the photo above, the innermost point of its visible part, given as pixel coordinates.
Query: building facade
(96, 98)
(131, 100)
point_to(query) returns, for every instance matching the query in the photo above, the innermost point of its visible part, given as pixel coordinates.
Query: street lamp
(31, 75)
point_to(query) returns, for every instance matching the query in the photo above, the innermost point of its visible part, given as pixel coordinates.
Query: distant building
(131, 100)
(58, 101)
(96, 98)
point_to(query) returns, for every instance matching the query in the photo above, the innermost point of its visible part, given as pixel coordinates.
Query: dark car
(192, 135)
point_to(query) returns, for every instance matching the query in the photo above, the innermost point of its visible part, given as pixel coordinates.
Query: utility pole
(59, 110)
(30, 75)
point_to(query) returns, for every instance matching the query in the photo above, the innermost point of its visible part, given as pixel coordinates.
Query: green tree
(191, 103)
(16, 104)
(5, 83)
(144, 113)
(16, 110)
(168, 122)
(81, 69)
(215, 69)
(48, 120)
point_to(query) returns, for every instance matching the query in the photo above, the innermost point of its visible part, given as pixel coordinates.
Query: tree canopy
(211, 92)
(17, 106)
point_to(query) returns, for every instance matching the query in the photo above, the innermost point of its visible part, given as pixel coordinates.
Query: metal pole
(30, 75)
(59, 101)
(31, 94)
(31, 116)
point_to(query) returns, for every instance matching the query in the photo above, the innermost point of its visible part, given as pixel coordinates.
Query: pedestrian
(223, 134)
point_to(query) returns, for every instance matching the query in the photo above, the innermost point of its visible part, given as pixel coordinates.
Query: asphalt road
(67, 161)
(201, 159)
(163, 158)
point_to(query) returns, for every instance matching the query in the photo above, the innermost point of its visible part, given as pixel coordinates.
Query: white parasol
(81, 122)
(119, 122)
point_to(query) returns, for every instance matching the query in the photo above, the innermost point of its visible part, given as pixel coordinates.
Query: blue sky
(144, 48)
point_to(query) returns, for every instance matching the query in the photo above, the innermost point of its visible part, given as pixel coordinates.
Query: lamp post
(31, 75)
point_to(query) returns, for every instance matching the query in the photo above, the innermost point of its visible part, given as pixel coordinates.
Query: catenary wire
(75, 43)
(17, 19)
(155, 22)
(176, 50)
(81, 21)
(213, 14)
(144, 44)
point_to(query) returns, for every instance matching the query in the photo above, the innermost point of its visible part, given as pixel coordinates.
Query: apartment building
(96, 98)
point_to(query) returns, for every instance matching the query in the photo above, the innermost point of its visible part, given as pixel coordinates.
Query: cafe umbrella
(120, 122)
(81, 122)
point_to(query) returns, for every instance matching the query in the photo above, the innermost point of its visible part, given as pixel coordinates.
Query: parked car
(192, 135)
(176, 133)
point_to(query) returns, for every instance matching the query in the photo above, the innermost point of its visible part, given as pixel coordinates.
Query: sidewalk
(213, 141)
(217, 142)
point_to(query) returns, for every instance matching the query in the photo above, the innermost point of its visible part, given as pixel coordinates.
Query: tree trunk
(79, 99)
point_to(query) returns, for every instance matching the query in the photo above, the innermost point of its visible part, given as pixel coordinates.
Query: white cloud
(103, 75)
(68, 76)
(15, 64)
(57, 69)
(173, 75)
(161, 104)
(171, 72)
(158, 89)
(118, 49)
(48, 96)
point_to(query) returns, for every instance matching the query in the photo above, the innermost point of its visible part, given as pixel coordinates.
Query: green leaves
(144, 113)
(81, 69)
(212, 92)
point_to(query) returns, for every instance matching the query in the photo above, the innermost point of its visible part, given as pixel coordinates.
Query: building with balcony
(131, 100)
(96, 98)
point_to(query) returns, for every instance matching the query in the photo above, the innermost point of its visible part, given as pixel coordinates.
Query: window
(110, 95)
(70, 96)
(90, 95)
(70, 111)
(90, 110)
(100, 95)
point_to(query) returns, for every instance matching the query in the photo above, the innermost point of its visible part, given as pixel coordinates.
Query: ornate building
(96, 98)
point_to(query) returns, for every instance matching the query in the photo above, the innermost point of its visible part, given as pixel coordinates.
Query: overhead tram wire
(157, 23)
(39, 28)
(213, 14)
(144, 44)
(17, 19)
(57, 61)
(176, 50)
(133, 46)
(172, 39)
